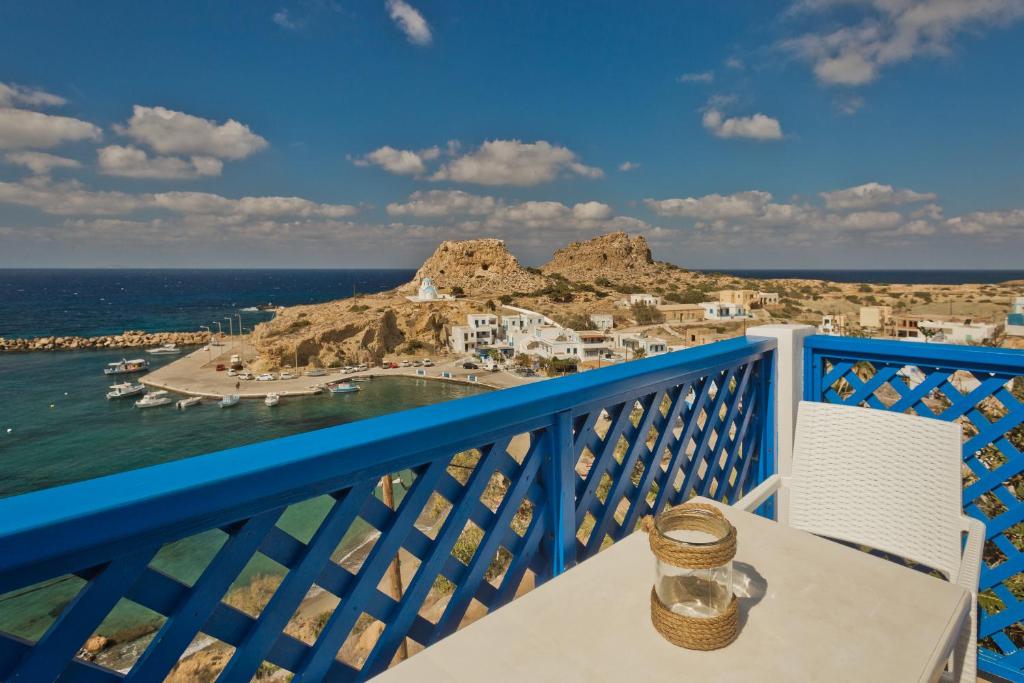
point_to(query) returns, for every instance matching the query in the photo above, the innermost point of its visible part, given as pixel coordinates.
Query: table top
(819, 611)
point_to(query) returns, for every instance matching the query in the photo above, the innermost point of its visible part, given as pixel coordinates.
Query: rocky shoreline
(130, 339)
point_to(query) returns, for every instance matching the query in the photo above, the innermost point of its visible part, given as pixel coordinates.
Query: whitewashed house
(719, 310)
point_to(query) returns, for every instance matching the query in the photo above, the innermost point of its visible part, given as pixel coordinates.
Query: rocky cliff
(483, 266)
(614, 256)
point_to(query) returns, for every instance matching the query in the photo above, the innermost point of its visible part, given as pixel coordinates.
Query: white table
(827, 613)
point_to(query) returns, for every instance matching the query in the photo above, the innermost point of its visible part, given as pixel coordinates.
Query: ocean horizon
(37, 302)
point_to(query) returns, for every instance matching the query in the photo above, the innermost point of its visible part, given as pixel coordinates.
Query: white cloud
(410, 21)
(735, 63)
(697, 77)
(132, 162)
(713, 206)
(849, 104)
(890, 32)
(872, 195)
(592, 211)
(40, 162)
(399, 161)
(22, 129)
(864, 220)
(989, 223)
(442, 203)
(627, 166)
(511, 162)
(174, 132)
(12, 95)
(71, 198)
(756, 127)
(286, 21)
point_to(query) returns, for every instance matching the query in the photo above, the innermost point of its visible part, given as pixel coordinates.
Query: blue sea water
(44, 302)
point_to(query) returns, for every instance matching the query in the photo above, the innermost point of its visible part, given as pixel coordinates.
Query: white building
(480, 330)
(428, 292)
(719, 310)
(642, 298)
(951, 332)
(634, 341)
(833, 325)
(593, 345)
(1015, 321)
(602, 321)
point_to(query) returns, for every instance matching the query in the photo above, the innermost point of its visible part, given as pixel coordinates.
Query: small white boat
(154, 400)
(125, 366)
(188, 402)
(124, 390)
(344, 388)
(272, 400)
(316, 372)
(164, 349)
(229, 400)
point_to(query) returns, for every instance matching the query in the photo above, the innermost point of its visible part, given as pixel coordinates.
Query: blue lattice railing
(983, 390)
(279, 554)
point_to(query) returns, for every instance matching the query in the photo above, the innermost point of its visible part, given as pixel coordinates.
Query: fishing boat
(229, 400)
(126, 367)
(188, 402)
(344, 388)
(154, 400)
(124, 390)
(164, 349)
(272, 400)
(316, 372)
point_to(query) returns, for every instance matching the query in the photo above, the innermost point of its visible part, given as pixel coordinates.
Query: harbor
(196, 374)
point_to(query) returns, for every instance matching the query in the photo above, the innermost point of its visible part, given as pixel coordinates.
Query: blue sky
(814, 133)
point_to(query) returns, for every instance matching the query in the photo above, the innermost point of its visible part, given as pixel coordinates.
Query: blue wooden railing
(531, 480)
(983, 389)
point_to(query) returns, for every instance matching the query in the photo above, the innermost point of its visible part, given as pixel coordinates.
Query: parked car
(286, 375)
(221, 367)
(232, 372)
(265, 377)
(406, 363)
(470, 366)
(246, 375)
(417, 363)
(427, 363)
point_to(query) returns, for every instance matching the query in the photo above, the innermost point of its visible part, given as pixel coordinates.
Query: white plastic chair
(888, 481)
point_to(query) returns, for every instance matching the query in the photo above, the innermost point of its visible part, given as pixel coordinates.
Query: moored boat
(188, 402)
(125, 366)
(229, 400)
(164, 349)
(125, 389)
(344, 388)
(154, 400)
(272, 400)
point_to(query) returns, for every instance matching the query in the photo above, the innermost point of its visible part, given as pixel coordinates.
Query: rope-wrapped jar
(692, 603)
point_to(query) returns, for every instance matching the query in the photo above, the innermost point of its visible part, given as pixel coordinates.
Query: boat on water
(154, 400)
(272, 400)
(164, 349)
(344, 388)
(367, 378)
(229, 400)
(126, 367)
(125, 389)
(316, 372)
(188, 402)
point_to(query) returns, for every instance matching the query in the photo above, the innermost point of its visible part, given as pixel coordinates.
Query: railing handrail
(70, 527)
(951, 356)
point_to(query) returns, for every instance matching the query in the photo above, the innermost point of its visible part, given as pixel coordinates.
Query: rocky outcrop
(131, 339)
(482, 266)
(613, 256)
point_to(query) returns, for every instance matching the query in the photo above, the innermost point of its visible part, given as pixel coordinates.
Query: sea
(886, 277)
(57, 427)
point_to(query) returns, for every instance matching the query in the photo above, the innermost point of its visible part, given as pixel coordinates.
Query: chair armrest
(965, 653)
(762, 492)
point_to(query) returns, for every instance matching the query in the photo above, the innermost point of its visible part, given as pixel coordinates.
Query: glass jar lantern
(692, 601)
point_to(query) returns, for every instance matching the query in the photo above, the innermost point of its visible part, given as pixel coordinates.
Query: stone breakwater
(130, 339)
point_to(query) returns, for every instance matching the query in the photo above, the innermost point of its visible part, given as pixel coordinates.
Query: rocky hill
(484, 266)
(616, 258)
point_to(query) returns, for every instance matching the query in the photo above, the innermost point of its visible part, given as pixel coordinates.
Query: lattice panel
(466, 531)
(989, 404)
(638, 454)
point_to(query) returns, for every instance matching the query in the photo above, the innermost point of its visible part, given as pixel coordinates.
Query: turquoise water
(63, 429)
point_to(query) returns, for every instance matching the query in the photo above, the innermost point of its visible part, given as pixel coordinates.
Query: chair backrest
(885, 480)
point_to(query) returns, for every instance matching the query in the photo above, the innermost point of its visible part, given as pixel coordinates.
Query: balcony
(494, 494)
